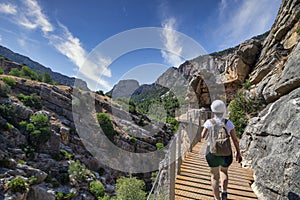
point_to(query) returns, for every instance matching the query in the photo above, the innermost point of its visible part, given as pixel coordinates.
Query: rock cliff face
(270, 143)
(47, 163)
(124, 88)
(206, 74)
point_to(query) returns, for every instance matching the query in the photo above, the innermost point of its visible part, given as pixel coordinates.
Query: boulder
(40, 192)
(33, 172)
(23, 112)
(286, 78)
(124, 88)
(52, 145)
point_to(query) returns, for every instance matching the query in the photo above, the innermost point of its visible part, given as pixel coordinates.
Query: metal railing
(187, 136)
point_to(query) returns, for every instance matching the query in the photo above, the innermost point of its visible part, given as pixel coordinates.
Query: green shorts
(216, 161)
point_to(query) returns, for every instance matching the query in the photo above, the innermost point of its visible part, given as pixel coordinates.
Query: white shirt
(229, 124)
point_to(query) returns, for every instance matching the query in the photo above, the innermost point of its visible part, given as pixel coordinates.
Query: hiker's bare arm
(236, 145)
(204, 132)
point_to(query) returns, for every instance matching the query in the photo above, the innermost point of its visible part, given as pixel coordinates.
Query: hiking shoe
(224, 195)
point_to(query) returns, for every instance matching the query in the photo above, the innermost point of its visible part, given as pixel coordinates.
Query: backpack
(219, 139)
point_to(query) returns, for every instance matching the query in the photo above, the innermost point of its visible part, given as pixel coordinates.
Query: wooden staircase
(194, 179)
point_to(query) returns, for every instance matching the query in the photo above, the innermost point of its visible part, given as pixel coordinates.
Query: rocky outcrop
(204, 77)
(15, 59)
(124, 88)
(48, 163)
(270, 143)
(278, 45)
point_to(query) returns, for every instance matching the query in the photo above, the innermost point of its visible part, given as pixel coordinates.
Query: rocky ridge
(46, 165)
(17, 60)
(270, 143)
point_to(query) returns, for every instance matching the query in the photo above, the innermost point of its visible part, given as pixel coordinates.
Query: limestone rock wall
(271, 141)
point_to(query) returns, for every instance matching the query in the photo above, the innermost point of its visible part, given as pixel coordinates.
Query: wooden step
(194, 179)
(204, 180)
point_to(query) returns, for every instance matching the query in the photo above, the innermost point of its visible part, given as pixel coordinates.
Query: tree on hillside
(26, 72)
(130, 189)
(46, 78)
(14, 72)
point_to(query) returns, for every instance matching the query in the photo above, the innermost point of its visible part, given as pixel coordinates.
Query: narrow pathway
(194, 179)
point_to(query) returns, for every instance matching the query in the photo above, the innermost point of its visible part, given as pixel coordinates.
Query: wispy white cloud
(171, 42)
(223, 6)
(0, 38)
(94, 68)
(245, 20)
(8, 8)
(34, 17)
(31, 16)
(68, 45)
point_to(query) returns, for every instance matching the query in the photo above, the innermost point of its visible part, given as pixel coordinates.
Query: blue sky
(61, 34)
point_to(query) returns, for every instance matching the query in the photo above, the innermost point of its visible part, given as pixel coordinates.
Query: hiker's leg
(224, 178)
(215, 177)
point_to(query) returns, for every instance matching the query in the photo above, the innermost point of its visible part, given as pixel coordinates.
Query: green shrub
(39, 129)
(105, 197)
(7, 112)
(100, 92)
(298, 30)
(106, 125)
(4, 89)
(17, 185)
(59, 195)
(10, 126)
(22, 126)
(40, 120)
(9, 81)
(247, 84)
(242, 108)
(46, 78)
(67, 155)
(174, 124)
(28, 73)
(14, 72)
(109, 95)
(78, 171)
(29, 151)
(97, 188)
(32, 180)
(130, 189)
(30, 127)
(1, 71)
(62, 196)
(159, 145)
(132, 139)
(21, 162)
(69, 195)
(32, 101)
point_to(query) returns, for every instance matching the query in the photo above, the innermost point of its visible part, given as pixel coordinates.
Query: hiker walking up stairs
(218, 152)
(203, 179)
